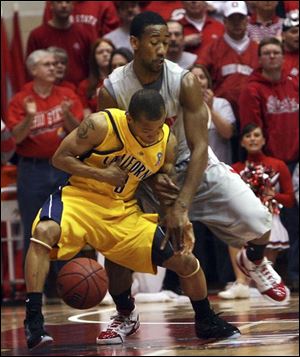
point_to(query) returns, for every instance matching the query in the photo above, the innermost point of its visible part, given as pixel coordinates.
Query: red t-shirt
(76, 40)
(285, 196)
(47, 130)
(99, 17)
(90, 103)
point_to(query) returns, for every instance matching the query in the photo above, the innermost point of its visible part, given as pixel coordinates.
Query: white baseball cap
(235, 7)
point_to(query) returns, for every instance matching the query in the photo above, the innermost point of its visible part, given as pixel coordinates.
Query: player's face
(253, 141)
(151, 49)
(147, 132)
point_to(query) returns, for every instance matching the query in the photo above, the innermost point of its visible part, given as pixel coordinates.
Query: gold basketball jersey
(122, 147)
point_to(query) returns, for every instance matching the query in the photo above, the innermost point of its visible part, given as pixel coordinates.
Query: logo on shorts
(159, 157)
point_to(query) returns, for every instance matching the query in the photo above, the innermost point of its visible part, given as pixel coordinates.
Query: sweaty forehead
(156, 30)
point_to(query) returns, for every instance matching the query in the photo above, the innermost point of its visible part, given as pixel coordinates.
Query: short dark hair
(246, 130)
(148, 102)
(269, 41)
(144, 19)
(123, 51)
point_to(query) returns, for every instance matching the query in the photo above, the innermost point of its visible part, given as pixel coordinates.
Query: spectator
(39, 117)
(8, 144)
(270, 99)
(199, 29)
(126, 11)
(98, 17)
(119, 57)
(231, 58)
(264, 22)
(290, 39)
(272, 194)
(176, 51)
(61, 67)
(72, 37)
(222, 125)
(99, 69)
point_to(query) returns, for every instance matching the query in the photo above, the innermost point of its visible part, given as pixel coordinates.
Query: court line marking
(78, 318)
(159, 353)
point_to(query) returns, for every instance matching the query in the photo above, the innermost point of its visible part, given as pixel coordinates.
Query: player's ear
(134, 41)
(128, 117)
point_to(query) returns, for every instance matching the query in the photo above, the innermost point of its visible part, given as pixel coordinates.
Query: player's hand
(175, 221)
(30, 106)
(114, 175)
(165, 189)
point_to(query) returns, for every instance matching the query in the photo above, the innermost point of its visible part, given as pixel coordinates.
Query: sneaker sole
(45, 341)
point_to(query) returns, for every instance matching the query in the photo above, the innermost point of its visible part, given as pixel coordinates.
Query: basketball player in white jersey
(209, 189)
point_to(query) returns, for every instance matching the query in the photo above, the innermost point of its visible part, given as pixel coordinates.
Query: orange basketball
(82, 283)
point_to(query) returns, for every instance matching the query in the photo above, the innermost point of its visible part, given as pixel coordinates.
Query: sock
(202, 309)
(33, 304)
(255, 253)
(124, 302)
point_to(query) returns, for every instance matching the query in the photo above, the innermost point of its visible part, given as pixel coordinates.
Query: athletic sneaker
(267, 281)
(36, 336)
(235, 291)
(121, 326)
(215, 327)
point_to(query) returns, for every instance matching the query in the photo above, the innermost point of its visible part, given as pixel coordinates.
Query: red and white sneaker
(120, 327)
(267, 281)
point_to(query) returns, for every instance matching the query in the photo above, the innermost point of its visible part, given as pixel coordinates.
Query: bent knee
(182, 264)
(47, 232)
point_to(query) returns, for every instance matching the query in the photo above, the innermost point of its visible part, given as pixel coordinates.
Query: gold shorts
(117, 229)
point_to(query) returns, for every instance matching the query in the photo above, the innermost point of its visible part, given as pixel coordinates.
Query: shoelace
(118, 320)
(265, 274)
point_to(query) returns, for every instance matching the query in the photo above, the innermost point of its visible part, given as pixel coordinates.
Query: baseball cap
(235, 7)
(291, 20)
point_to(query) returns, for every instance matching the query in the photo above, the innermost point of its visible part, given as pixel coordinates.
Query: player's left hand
(175, 221)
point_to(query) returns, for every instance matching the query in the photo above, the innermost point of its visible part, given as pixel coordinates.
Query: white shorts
(224, 203)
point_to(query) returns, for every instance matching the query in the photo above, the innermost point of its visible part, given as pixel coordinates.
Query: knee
(183, 264)
(47, 232)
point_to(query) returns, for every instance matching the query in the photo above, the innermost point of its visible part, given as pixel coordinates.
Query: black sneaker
(36, 336)
(215, 327)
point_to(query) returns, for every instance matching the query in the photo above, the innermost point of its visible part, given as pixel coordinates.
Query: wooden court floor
(166, 330)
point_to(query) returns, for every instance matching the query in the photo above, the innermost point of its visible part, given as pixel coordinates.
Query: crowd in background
(245, 55)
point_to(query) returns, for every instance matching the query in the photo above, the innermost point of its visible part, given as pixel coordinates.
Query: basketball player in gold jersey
(107, 156)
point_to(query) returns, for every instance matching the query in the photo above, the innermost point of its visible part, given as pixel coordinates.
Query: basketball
(82, 283)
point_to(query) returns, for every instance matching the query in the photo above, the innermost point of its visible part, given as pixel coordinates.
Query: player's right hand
(114, 175)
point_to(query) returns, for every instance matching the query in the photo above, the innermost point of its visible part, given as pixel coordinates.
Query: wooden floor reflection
(166, 330)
